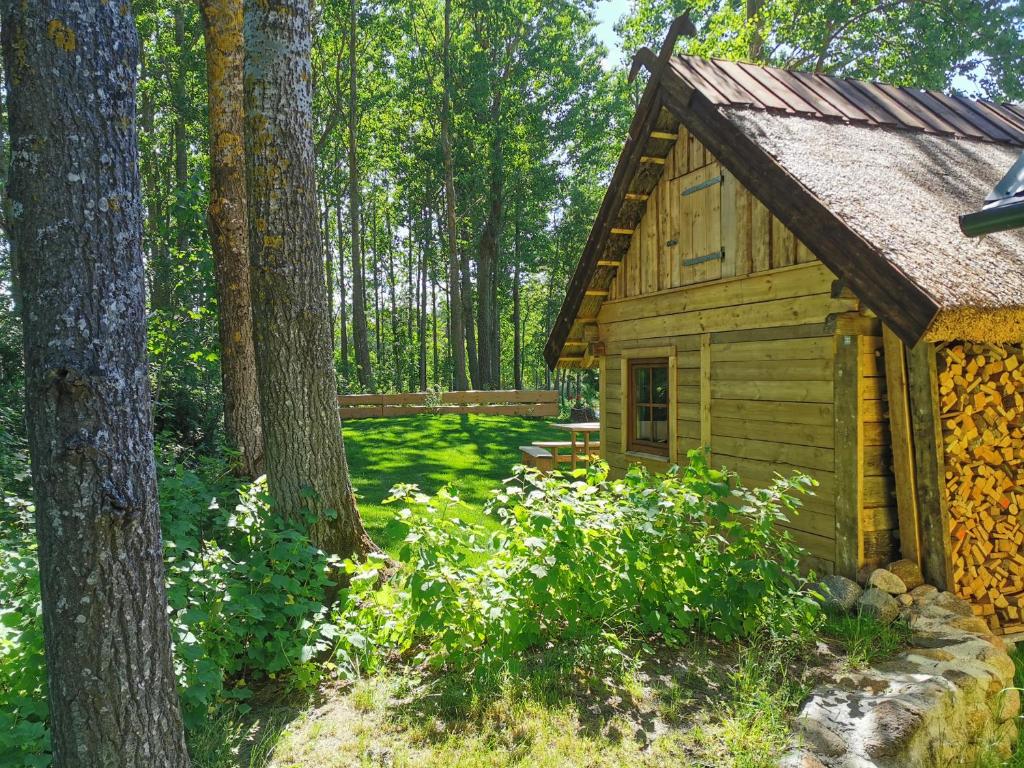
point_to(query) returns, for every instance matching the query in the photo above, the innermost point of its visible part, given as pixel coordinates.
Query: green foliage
(580, 561)
(246, 592)
(864, 640)
(24, 737)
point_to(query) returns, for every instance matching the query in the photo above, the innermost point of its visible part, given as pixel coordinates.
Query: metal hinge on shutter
(703, 185)
(719, 254)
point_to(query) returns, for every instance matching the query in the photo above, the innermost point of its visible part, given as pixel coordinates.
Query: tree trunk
(329, 264)
(360, 332)
(396, 343)
(421, 294)
(229, 235)
(756, 48)
(342, 301)
(488, 355)
(457, 338)
(305, 453)
(467, 321)
(76, 230)
(517, 336)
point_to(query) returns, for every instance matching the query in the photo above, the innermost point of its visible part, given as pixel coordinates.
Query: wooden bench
(555, 446)
(535, 456)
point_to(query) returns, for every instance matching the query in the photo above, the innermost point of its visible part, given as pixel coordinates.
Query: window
(649, 406)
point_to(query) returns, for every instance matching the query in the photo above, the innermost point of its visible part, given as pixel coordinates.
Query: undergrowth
(589, 572)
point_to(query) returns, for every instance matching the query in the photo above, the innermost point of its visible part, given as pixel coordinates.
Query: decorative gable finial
(645, 57)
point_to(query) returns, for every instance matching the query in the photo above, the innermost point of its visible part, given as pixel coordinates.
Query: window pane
(643, 423)
(659, 380)
(659, 425)
(642, 380)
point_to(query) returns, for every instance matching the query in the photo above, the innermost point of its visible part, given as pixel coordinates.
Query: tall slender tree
(76, 227)
(227, 219)
(360, 331)
(455, 311)
(305, 452)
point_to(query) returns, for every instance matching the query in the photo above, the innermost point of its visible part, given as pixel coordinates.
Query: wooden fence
(504, 402)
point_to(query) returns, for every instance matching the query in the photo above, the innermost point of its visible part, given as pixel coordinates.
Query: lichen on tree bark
(76, 227)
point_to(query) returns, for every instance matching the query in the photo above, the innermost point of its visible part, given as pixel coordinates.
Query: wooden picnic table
(586, 428)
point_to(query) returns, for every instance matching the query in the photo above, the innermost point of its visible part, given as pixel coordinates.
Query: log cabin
(777, 275)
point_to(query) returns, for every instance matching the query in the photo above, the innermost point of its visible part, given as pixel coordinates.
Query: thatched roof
(902, 192)
(871, 177)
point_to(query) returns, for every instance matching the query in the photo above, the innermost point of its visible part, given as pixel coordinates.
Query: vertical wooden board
(681, 152)
(933, 522)
(849, 454)
(633, 266)
(729, 227)
(700, 231)
(686, 214)
(665, 235)
(803, 253)
(696, 153)
(760, 236)
(673, 409)
(743, 203)
(705, 391)
(902, 445)
(675, 258)
(649, 244)
(783, 245)
(602, 400)
(625, 415)
(713, 224)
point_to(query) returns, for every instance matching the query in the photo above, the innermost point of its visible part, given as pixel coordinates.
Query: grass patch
(472, 453)
(862, 640)
(705, 705)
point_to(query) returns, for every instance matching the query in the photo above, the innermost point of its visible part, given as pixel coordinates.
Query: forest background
(538, 108)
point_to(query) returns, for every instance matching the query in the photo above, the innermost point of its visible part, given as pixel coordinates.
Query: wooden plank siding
(753, 339)
(683, 224)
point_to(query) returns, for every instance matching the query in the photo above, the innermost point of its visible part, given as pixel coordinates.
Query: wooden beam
(852, 323)
(609, 263)
(705, 390)
(936, 549)
(849, 454)
(594, 292)
(665, 135)
(574, 343)
(591, 332)
(902, 444)
(636, 196)
(620, 231)
(649, 160)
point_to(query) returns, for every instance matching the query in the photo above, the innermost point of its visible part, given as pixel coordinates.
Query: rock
(905, 600)
(879, 605)
(819, 738)
(908, 571)
(889, 728)
(800, 759)
(864, 572)
(923, 592)
(950, 602)
(887, 581)
(839, 593)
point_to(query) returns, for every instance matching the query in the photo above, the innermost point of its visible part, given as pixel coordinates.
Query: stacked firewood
(981, 397)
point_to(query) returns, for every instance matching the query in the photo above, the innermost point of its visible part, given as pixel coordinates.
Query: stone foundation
(943, 702)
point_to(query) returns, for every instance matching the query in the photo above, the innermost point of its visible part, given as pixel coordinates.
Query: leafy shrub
(246, 601)
(24, 737)
(580, 560)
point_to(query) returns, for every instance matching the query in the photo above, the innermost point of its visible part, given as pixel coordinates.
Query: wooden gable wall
(698, 209)
(753, 336)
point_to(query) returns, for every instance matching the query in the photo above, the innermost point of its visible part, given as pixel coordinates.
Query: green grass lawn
(472, 453)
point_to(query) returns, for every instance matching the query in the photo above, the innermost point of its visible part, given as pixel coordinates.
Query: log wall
(753, 334)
